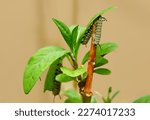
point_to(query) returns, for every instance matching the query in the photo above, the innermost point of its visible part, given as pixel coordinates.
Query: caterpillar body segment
(98, 30)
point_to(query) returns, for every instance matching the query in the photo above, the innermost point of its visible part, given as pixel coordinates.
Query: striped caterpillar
(57, 85)
(56, 89)
(98, 30)
(87, 36)
(89, 32)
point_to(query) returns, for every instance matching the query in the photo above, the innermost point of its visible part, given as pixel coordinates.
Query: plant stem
(87, 94)
(74, 63)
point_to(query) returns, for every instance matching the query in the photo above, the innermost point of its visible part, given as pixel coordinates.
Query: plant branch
(87, 94)
(74, 64)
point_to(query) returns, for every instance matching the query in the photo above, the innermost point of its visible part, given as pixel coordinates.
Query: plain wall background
(26, 26)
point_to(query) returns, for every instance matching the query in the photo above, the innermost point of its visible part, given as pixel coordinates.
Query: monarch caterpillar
(87, 37)
(56, 84)
(98, 30)
(56, 89)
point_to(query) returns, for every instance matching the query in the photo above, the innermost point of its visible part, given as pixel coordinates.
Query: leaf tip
(53, 19)
(25, 90)
(113, 7)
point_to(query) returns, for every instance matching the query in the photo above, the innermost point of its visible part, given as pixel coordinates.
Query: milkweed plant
(51, 58)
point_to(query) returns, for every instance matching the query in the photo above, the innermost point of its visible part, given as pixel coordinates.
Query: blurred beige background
(26, 25)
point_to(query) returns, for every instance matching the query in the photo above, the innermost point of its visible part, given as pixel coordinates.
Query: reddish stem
(90, 69)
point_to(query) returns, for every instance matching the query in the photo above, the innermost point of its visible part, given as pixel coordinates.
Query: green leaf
(93, 99)
(72, 27)
(50, 77)
(85, 58)
(99, 59)
(102, 71)
(38, 63)
(73, 73)
(80, 31)
(143, 99)
(73, 97)
(109, 98)
(66, 33)
(107, 48)
(105, 100)
(76, 31)
(64, 78)
(98, 50)
(109, 90)
(114, 95)
(78, 43)
(100, 62)
(74, 36)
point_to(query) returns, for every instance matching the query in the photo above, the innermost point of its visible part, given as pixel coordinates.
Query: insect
(57, 84)
(56, 89)
(98, 30)
(87, 36)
